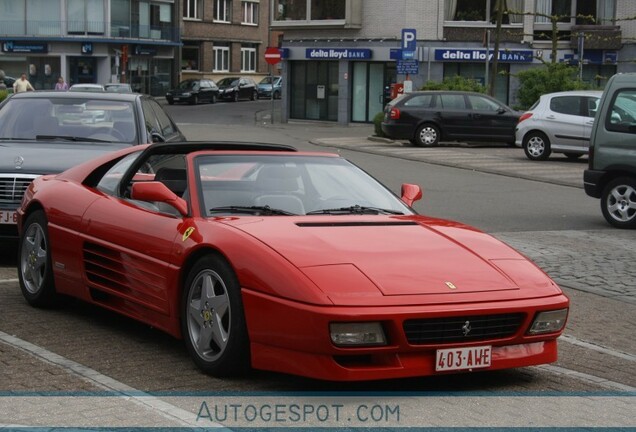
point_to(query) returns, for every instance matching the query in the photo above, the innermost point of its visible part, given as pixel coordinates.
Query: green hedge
(455, 83)
(377, 124)
(3, 95)
(553, 77)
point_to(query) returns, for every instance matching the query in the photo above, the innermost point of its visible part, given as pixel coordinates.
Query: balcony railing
(104, 29)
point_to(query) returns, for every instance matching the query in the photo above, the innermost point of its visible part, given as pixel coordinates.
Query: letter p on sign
(409, 41)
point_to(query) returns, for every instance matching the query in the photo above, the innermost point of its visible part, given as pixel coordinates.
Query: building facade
(91, 41)
(224, 37)
(343, 55)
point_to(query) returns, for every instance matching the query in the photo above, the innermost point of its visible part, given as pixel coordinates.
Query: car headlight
(168, 94)
(548, 322)
(357, 334)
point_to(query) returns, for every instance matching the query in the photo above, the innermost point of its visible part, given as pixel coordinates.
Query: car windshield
(118, 88)
(187, 85)
(228, 82)
(290, 185)
(69, 119)
(268, 80)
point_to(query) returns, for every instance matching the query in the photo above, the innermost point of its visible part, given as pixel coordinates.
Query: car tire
(170, 102)
(536, 146)
(573, 156)
(236, 96)
(618, 202)
(194, 100)
(427, 135)
(35, 271)
(212, 318)
(213, 99)
(276, 95)
(254, 96)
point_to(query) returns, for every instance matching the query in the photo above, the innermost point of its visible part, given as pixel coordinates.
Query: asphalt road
(554, 224)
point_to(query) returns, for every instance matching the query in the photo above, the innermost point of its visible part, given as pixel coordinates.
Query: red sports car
(261, 256)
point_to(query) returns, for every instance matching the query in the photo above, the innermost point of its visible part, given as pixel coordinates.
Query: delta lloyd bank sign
(475, 55)
(338, 53)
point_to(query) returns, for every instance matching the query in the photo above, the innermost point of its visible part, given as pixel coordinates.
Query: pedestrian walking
(61, 85)
(22, 85)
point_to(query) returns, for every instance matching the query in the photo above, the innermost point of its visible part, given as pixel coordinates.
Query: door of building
(369, 90)
(314, 90)
(83, 70)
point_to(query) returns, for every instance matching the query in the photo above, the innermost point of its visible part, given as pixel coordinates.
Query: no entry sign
(272, 55)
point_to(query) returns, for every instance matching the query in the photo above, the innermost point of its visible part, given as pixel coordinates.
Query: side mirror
(157, 137)
(157, 191)
(501, 111)
(411, 193)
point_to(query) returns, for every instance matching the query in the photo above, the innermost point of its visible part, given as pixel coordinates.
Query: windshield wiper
(356, 209)
(16, 139)
(67, 138)
(256, 210)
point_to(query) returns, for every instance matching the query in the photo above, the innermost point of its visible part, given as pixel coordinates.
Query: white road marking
(107, 383)
(595, 347)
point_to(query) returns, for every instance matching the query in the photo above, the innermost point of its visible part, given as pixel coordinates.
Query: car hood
(400, 256)
(34, 157)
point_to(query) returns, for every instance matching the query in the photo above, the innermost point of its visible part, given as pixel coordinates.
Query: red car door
(128, 254)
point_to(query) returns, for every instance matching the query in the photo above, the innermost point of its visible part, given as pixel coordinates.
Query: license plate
(462, 358)
(8, 217)
(177, 98)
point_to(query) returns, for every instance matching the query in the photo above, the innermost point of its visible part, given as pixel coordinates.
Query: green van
(612, 158)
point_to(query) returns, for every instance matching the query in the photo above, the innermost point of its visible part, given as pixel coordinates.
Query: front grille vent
(12, 189)
(462, 329)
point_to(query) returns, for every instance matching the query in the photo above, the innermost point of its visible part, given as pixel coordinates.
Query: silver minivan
(558, 123)
(612, 163)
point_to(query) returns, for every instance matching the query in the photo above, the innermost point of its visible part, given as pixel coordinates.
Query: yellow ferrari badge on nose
(451, 285)
(187, 233)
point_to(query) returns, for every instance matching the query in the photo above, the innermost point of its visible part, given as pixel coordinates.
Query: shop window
(192, 9)
(548, 8)
(295, 10)
(222, 10)
(248, 59)
(190, 57)
(120, 18)
(42, 17)
(221, 59)
(85, 16)
(250, 12)
(328, 9)
(482, 11)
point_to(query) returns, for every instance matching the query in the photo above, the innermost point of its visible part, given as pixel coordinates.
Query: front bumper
(300, 344)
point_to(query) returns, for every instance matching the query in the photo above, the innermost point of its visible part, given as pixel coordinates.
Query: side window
(453, 101)
(622, 112)
(109, 181)
(150, 119)
(592, 106)
(423, 101)
(481, 103)
(570, 105)
(166, 127)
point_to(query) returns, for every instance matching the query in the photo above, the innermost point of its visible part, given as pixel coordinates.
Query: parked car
(558, 123)
(427, 117)
(266, 85)
(260, 253)
(193, 91)
(235, 88)
(97, 88)
(8, 83)
(118, 88)
(47, 132)
(611, 175)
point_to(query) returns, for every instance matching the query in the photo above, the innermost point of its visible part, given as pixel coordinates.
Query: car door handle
(590, 122)
(551, 117)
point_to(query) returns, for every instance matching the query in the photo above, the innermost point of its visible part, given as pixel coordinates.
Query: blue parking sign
(409, 39)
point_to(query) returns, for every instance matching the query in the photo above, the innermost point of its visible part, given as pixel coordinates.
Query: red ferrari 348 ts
(259, 255)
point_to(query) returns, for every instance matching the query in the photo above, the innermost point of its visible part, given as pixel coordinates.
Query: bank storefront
(349, 82)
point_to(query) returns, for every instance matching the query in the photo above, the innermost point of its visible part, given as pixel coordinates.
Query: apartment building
(224, 37)
(91, 41)
(343, 55)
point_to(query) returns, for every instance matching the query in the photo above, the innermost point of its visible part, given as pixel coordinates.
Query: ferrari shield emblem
(451, 285)
(187, 233)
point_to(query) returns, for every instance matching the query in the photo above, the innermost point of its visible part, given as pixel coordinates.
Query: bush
(3, 95)
(377, 124)
(456, 83)
(554, 77)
